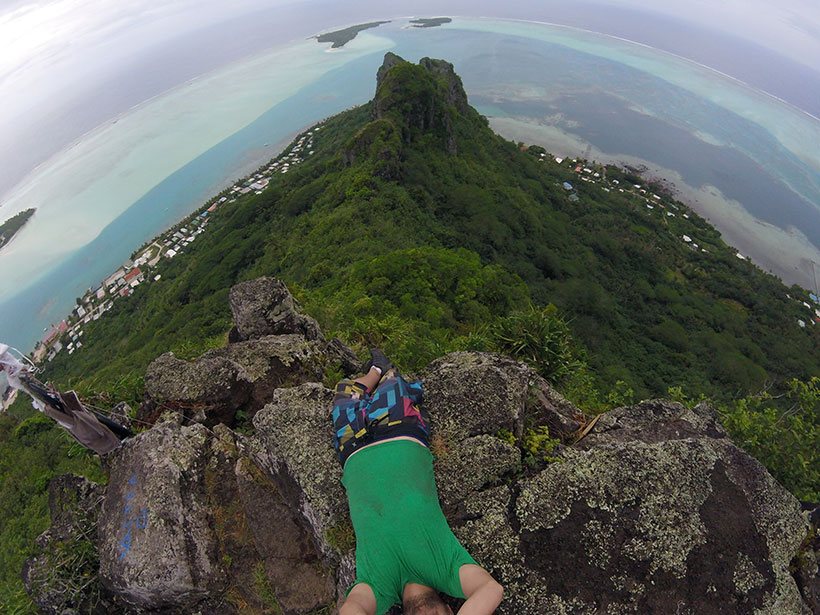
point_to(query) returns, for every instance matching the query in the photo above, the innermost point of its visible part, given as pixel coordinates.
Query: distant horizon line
(4, 197)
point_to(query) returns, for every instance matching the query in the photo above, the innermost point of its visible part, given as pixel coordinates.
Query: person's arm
(360, 601)
(483, 592)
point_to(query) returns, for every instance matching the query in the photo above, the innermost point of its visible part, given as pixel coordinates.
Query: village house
(110, 280)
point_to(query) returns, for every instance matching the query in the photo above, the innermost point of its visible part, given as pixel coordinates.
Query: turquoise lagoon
(747, 161)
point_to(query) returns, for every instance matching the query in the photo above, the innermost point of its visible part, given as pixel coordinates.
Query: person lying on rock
(405, 550)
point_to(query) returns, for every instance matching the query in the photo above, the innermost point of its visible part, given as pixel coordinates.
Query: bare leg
(370, 379)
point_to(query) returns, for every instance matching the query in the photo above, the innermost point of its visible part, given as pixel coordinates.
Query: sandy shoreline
(786, 253)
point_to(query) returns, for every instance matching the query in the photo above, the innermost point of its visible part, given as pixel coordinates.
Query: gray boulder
(263, 545)
(657, 513)
(264, 306)
(209, 390)
(807, 562)
(655, 420)
(272, 362)
(293, 442)
(156, 541)
(240, 376)
(474, 464)
(190, 522)
(472, 393)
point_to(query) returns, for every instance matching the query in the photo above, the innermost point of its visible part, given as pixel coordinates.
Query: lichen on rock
(294, 439)
(474, 464)
(472, 393)
(264, 306)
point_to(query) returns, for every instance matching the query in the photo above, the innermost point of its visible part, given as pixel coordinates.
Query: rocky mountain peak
(423, 98)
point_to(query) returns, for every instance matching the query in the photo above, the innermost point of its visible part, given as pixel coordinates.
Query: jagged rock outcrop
(501, 394)
(420, 99)
(654, 511)
(390, 60)
(264, 306)
(455, 93)
(806, 563)
(666, 527)
(209, 390)
(472, 465)
(275, 361)
(278, 347)
(293, 441)
(156, 543)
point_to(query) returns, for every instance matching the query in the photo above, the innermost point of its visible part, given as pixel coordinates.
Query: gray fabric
(83, 425)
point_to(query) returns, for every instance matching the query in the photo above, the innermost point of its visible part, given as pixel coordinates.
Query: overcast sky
(790, 27)
(66, 65)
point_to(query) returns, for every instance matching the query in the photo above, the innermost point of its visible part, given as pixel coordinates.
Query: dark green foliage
(373, 229)
(340, 38)
(10, 227)
(539, 337)
(34, 450)
(413, 302)
(430, 22)
(28, 430)
(783, 434)
(378, 144)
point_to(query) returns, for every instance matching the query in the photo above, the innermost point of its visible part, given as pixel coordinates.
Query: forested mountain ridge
(409, 198)
(414, 227)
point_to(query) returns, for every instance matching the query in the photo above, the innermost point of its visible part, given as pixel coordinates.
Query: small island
(431, 22)
(340, 38)
(10, 227)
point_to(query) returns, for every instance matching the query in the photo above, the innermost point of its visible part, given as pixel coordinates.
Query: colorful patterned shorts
(391, 409)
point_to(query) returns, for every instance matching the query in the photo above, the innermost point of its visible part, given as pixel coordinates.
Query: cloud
(36, 35)
(789, 27)
(55, 51)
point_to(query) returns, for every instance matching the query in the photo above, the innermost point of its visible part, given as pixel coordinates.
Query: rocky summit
(653, 510)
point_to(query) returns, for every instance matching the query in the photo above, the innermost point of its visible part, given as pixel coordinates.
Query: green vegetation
(34, 451)
(538, 446)
(340, 38)
(9, 228)
(415, 228)
(72, 569)
(539, 337)
(341, 537)
(429, 22)
(264, 591)
(786, 441)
